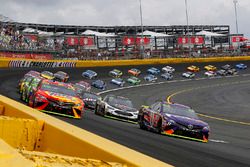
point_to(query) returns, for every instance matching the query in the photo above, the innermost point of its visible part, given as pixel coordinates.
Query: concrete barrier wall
(62, 138)
(99, 63)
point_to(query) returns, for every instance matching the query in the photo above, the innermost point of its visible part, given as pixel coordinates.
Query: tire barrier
(40, 64)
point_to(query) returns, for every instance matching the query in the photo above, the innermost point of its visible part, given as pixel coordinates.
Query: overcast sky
(126, 12)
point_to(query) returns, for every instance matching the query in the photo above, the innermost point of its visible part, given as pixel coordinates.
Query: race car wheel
(23, 96)
(141, 122)
(158, 129)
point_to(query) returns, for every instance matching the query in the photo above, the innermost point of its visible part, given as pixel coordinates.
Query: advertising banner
(142, 41)
(71, 41)
(198, 40)
(238, 39)
(128, 41)
(26, 56)
(86, 41)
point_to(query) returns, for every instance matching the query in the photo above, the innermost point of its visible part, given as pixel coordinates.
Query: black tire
(158, 129)
(140, 122)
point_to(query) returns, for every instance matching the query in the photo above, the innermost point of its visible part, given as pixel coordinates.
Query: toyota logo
(190, 127)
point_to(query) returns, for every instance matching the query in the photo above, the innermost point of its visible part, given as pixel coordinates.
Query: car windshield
(119, 79)
(179, 110)
(61, 73)
(90, 95)
(58, 89)
(134, 78)
(90, 72)
(120, 101)
(47, 73)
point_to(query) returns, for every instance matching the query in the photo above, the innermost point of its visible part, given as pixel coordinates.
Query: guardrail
(99, 63)
(35, 131)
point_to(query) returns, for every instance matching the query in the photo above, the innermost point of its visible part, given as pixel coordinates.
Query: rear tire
(140, 122)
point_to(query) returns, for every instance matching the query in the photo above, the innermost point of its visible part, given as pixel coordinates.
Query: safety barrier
(99, 63)
(52, 135)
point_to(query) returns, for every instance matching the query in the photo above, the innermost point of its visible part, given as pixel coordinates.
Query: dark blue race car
(89, 74)
(99, 84)
(174, 120)
(153, 71)
(241, 66)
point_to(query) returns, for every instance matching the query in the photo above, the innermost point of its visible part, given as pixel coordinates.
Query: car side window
(156, 107)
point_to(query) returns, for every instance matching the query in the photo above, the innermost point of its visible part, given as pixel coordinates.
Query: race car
(210, 73)
(226, 67)
(57, 98)
(174, 120)
(81, 86)
(150, 78)
(24, 82)
(99, 84)
(210, 68)
(118, 81)
(115, 73)
(222, 72)
(134, 80)
(168, 69)
(134, 72)
(89, 99)
(188, 74)
(167, 76)
(47, 75)
(61, 76)
(89, 74)
(193, 68)
(241, 66)
(116, 107)
(153, 71)
(28, 74)
(29, 88)
(232, 71)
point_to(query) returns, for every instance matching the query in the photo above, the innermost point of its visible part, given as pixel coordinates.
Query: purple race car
(174, 120)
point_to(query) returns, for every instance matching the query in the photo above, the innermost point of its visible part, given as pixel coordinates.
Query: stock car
(61, 76)
(89, 99)
(47, 75)
(57, 98)
(28, 74)
(173, 119)
(168, 69)
(116, 107)
(115, 73)
(81, 86)
(153, 71)
(89, 74)
(134, 80)
(222, 72)
(167, 76)
(118, 81)
(210, 73)
(226, 67)
(188, 74)
(193, 68)
(29, 88)
(241, 66)
(210, 68)
(150, 78)
(134, 72)
(24, 82)
(232, 71)
(99, 84)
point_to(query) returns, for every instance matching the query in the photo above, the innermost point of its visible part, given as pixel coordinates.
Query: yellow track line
(207, 116)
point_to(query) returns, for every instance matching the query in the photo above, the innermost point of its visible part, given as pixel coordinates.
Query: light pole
(141, 41)
(236, 22)
(188, 35)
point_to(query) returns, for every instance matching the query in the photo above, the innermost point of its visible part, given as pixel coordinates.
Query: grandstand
(115, 42)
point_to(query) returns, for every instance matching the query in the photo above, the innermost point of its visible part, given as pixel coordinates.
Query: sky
(126, 12)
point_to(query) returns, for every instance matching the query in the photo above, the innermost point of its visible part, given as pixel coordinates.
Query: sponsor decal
(26, 56)
(40, 64)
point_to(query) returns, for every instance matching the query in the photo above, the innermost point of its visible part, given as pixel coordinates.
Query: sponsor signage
(238, 39)
(40, 64)
(198, 40)
(26, 56)
(137, 41)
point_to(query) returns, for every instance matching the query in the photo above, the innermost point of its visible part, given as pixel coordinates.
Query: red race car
(57, 98)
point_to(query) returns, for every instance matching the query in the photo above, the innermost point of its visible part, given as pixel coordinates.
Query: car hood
(62, 97)
(186, 120)
(123, 107)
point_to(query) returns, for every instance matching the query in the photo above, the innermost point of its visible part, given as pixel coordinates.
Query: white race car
(117, 107)
(168, 69)
(210, 73)
(188, 74)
